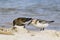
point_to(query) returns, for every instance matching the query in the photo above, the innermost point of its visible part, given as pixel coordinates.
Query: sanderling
(40, 23)
(36, 22)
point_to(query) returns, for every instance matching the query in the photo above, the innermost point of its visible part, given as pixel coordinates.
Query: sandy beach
(22, 34)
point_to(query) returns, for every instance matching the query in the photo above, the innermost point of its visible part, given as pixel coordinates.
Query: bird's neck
(34, 21)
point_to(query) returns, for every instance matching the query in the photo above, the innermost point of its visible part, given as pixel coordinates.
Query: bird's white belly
(40, 25)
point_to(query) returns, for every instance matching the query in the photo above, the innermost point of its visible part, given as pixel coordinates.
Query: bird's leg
(24, 26)
(41, 29)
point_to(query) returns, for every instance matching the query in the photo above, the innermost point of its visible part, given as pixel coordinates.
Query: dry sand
(22, 34)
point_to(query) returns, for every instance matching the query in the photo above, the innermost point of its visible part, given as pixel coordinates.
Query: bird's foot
(41, 29)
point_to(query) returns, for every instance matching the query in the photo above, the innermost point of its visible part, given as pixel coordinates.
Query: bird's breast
(40, 25)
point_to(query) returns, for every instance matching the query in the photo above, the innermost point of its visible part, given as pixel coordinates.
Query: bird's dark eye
(40, 21)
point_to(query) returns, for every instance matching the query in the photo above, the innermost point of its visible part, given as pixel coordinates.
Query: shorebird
(36, 22)
(40, 23)
(21, 21)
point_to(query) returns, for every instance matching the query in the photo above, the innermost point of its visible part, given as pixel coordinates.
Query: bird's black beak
(51, 21)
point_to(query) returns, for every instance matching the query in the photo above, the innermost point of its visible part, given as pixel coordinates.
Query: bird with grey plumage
(35, 22)
(40, 23)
